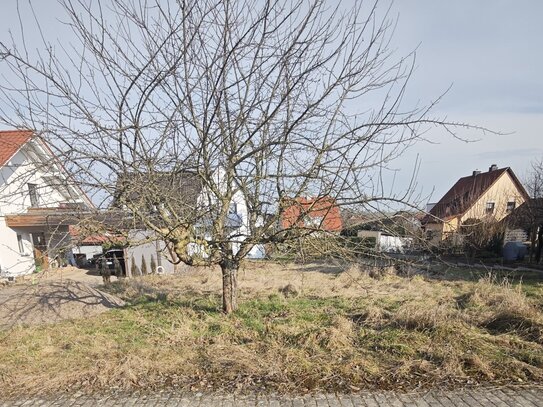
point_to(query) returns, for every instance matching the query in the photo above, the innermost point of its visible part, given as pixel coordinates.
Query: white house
(36, 196)
(190, 196)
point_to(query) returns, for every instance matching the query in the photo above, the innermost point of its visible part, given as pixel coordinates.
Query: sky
(489, 52)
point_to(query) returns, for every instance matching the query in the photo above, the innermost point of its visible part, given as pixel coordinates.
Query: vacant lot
(299, 328)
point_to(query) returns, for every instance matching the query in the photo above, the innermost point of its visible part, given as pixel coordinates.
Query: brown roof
(10, 142)
(146, 189)
(467, 191)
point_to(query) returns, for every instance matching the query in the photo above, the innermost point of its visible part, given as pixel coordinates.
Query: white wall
(240, 234)
(146, 249)
(88, 250)
(12, 262)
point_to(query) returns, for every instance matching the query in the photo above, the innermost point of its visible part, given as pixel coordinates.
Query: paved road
(504, 397)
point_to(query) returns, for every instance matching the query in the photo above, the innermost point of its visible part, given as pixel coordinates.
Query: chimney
(476, 172)
(493, 167)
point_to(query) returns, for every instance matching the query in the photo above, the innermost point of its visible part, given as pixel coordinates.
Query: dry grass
(299, 328)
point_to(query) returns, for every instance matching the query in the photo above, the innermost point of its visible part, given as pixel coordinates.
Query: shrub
(143, 266)
(133, 268)
(153, 264)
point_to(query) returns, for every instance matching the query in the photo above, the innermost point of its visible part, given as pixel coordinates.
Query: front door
(40, 250)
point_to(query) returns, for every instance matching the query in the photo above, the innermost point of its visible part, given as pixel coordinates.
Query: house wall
(12, 261)
(148, 247)
(450, 226)
(207, 198)
(14, 179)
(434, 232)
(440, 231)
(88, 250)
(501, 192)
(29, 165)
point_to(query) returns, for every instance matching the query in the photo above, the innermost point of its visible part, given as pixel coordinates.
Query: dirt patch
(52, 301)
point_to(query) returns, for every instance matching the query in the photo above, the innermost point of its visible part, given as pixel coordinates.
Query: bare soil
(52, 301)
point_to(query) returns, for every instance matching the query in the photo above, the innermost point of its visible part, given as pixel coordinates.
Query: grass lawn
(298, 329)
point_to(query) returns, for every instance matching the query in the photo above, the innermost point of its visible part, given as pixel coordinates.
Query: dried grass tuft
(424, 316)
(289, 291)
(338, 337)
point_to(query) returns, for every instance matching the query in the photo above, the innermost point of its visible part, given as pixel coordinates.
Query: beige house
(488, 196)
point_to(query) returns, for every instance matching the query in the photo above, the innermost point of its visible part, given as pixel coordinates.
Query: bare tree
(534, 179)
(154, 101)
(482, 235)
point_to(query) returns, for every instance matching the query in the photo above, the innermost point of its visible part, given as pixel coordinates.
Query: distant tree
(143, 266)
(529, 217)
(134, 268)
(534, 179)
(482, 235)
(153, 264)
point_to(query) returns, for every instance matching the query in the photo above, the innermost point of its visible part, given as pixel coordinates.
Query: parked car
(110, 257)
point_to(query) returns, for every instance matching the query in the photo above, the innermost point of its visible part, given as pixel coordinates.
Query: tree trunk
(539, 244)
(533, 236)
(229, 286)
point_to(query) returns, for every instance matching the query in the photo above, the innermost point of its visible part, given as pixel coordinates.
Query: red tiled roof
(323, 209)
(93, 239)
(10, 142)
(466, 192)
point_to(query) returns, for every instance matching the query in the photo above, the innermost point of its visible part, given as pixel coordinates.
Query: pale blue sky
(490, 51)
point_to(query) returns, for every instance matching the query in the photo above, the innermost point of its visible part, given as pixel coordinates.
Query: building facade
(485, 196)
(36, 198)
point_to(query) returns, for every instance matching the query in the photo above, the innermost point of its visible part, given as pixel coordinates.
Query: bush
(481, 236)
(143, 266)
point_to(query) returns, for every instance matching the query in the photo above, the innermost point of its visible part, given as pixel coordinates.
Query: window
(511, 206)
(21, 244)
(233, 207)
(33, 193)
(490, 207)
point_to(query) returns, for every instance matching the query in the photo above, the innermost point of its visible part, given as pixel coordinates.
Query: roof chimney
(493, 167)
(476, 172)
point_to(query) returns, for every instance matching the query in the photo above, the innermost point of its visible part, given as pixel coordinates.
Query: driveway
(53, 296)
(90, 277)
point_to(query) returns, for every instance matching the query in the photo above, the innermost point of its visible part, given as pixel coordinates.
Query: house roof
(467, 191)
(11, 141)
(323, 209)
(146, 189)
